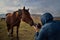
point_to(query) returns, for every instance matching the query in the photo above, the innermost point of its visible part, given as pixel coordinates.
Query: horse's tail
(8, 14)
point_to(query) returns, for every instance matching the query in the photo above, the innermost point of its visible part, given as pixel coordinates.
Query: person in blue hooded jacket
(50, 29)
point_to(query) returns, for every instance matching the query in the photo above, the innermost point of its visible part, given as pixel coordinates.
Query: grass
(26, 32)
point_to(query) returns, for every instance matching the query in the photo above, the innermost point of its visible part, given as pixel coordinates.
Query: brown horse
(14, 19)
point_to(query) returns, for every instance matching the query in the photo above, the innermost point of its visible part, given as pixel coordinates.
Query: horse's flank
(12, 18)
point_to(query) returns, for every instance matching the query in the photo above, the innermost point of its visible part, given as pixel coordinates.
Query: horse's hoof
(17, 38)
(8, 34)
(11, 38)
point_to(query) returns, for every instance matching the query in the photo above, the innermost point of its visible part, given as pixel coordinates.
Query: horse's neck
(16, 20)
(15, 17)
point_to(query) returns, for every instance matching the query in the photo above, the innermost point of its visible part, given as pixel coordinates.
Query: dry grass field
(26, 32)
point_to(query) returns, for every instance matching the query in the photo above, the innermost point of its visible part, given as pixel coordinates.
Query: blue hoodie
(50, 29)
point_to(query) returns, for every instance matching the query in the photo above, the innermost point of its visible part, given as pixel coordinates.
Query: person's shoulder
(57, 21)
(47, 26)
(53, 24)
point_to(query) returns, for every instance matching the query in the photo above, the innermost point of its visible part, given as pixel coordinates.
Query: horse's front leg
(17, 32)
(11, 32)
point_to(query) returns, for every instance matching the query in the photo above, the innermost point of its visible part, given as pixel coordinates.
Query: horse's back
(9, 18)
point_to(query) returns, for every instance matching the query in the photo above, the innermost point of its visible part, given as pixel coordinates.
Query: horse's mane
(8, 13)
(14, 12)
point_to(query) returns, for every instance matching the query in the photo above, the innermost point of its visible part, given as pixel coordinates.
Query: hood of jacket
(45, 18)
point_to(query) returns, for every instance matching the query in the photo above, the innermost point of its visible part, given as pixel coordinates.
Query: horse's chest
(16, 22)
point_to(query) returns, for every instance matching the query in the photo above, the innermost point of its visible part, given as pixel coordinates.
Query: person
(50, 29)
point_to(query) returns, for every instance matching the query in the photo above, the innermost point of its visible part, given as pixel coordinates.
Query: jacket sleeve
(41, 35)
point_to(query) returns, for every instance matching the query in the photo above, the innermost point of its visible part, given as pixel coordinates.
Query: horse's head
(26, 16)
(19, 12)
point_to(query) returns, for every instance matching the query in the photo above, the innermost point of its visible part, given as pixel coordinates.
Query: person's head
(47, 17)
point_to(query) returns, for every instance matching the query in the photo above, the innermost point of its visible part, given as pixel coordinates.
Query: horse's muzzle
(37, 25)
(32, 23)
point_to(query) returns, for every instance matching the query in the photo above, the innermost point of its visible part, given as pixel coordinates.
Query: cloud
(35, 6)
(8, 9)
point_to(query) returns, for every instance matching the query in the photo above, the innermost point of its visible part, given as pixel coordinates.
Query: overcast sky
(35, 6)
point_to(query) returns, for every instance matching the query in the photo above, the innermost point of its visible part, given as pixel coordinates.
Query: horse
(2, 19)
(14, 19)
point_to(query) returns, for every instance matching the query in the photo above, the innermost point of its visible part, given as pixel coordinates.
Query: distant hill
(56, 18)
(38, 15)
(33, 15)
(2, 15)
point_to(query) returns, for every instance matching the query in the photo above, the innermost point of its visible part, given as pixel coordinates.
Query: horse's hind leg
(12, 32)
(8, 28)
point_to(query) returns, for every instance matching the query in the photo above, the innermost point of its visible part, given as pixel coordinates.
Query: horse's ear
(28, 9)
(24, 8)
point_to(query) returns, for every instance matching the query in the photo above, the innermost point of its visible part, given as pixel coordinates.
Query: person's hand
(36, 28)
